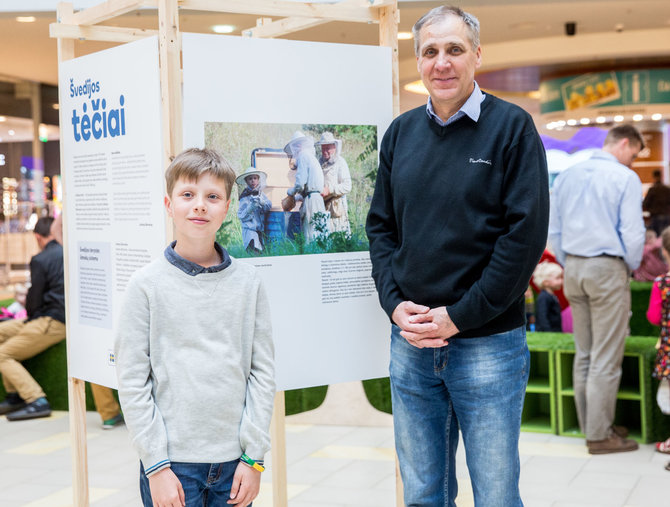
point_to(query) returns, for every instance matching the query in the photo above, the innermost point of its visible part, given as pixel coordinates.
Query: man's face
(447, 61)
(627, 151)
(328, 151)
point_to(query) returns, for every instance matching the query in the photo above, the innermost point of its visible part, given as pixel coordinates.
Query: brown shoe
(613, 443)
(622, 431)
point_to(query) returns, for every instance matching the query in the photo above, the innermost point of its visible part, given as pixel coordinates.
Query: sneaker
(613, 443)
(11, 403)
(112, 423)
(38, 408)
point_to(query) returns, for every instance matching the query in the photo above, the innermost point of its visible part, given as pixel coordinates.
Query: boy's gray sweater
(194, 359)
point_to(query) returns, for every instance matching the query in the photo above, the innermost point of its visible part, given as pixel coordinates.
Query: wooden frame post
(278, 439)
(76, 387)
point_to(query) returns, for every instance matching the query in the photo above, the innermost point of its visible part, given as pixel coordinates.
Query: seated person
(548, 276)
(44, 327)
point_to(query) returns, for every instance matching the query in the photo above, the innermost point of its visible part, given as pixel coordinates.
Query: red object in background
(547, 256)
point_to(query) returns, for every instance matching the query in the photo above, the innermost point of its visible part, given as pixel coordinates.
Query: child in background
(254, 204)
(194, 353)
(658, 314)
(548, 276)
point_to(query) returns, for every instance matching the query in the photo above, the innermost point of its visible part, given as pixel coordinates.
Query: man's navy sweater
(459, 215)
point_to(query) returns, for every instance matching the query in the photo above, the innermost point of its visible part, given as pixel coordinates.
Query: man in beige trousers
(597, 232)
(44, 327)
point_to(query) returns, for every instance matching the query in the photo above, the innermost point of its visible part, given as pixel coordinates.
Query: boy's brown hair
(192, 163)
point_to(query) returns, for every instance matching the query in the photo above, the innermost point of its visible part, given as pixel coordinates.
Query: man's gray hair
(441, 12)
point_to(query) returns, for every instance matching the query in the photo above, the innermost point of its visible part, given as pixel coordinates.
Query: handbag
(663, 396)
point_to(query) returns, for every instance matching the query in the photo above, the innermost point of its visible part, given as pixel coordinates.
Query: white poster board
(327, 323)
(112, 151)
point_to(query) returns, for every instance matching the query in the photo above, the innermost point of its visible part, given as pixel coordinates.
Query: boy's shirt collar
(191, 268)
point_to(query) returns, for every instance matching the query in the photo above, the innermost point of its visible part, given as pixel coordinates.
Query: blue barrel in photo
(282, 225)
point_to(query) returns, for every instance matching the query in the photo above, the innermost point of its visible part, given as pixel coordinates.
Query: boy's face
(198, 208)
(253, 181)
(554, 282)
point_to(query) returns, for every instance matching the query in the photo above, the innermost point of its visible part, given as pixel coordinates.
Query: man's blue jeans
(204, 483)
(478, 384)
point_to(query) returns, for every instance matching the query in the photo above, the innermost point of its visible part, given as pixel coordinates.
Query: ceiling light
(26, 19)
(223, 29)
(585, 121)
(550, 126)
(560, 123)
(3, 118)
(601, 119)
(416, 87)
(56, 106)
(637, 117)
(11, 132)
(405, 36)
(572, 122)
(618, 118)
(656, 116)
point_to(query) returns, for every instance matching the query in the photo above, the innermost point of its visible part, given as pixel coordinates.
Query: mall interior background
(527, 44)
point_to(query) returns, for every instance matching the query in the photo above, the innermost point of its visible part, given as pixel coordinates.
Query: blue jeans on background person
(477, 384)
(203, 483)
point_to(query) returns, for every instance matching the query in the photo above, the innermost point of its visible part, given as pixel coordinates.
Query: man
(597, 233)
(337, 182)
(457, 223)
(657, 204)
(308, 184)
(44, 327)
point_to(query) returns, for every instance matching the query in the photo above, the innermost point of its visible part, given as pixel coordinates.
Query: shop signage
(640, 91)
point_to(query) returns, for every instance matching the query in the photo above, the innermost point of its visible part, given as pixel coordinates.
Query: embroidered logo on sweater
(480, 161)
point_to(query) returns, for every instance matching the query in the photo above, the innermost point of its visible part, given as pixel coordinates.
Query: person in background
(451, 263)
(103, 397)
(652, 263)
(253, 205)
(337, 182)
(548, 276)
(658, 314)
(657, 204)
(597, 233)
(44, 327)
(309, 185)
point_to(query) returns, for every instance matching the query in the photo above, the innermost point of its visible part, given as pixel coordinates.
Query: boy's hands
(166, 490)
(246, 485)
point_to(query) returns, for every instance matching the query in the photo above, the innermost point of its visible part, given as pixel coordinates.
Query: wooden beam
(169, 44)
(278, 440)
(107, 10)
(98, 33)
(389, 17)
(75, 387)
(283, 27)
(348, 10)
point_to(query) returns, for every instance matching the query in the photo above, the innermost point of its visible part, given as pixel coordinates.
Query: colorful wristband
(253, 464)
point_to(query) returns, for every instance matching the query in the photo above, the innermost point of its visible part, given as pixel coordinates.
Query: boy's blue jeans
(205, 484)
(478, 384)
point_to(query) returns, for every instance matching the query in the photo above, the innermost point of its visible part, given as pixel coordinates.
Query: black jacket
(46, 296)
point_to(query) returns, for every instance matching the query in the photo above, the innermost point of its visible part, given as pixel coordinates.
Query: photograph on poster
(301, 188)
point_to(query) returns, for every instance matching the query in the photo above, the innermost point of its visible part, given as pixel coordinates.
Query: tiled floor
(328, 466)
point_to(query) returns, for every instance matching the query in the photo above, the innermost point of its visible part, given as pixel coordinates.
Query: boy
(254, 204)
(548, 276)
(194, 353)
